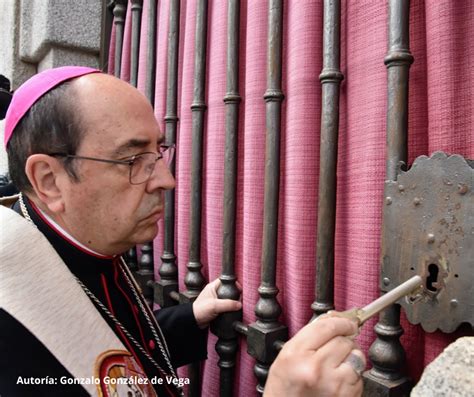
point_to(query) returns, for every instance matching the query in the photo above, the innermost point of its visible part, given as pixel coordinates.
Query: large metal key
(361, 315)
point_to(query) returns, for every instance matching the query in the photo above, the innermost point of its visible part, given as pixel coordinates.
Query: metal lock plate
(429, 230)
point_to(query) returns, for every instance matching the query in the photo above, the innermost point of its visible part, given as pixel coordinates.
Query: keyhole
(432, 278)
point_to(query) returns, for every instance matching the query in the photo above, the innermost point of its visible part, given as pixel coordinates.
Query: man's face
(103, 210)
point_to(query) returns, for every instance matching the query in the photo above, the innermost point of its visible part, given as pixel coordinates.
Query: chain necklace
(125, 331)
(24, 211)
(146, 312)
(164, 349)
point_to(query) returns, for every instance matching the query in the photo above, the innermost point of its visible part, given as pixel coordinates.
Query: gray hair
(51, 125)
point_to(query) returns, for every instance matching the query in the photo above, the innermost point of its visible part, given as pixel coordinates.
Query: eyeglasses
(141, 165)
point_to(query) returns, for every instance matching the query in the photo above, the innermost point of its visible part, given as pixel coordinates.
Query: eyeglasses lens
(142, 168)
(144, 165)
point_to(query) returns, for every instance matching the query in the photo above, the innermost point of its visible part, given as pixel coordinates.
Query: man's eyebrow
(132, 144)
(135, 144)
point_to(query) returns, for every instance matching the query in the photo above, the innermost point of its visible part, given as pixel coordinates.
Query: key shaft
(361, 315)
(389, 298)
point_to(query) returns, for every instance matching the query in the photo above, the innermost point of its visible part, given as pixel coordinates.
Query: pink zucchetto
(34, 88)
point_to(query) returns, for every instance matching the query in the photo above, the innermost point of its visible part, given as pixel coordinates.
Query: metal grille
(267, 334)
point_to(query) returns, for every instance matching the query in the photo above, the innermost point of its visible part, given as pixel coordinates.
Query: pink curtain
(441, 118)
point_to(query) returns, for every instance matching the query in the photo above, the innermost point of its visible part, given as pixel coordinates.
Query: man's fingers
(217, 283)
(317, 333)
(335, 351)
(356, 362)
(354, 390)
(226, 305)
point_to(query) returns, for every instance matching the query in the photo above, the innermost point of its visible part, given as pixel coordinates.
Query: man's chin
(147, 235)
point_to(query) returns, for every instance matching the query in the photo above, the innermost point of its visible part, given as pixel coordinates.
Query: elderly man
(88, 156)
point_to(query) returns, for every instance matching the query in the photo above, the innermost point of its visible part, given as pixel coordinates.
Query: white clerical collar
(65, 234)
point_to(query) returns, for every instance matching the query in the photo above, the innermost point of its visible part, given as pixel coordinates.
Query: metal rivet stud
(462, 188)
(388, 200)
(401, 188)
(386, 281)
(431, 238)
(454, 302)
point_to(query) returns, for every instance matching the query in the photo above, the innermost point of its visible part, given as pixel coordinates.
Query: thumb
(215, 284)
(226, 305)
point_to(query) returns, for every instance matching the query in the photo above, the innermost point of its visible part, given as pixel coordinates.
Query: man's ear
(44, 172)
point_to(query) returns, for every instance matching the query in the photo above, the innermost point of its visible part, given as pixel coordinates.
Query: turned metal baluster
(151, 53)
(166, 289)
(263, 334)
(330, 78)
(147, 249)
(105, 33)
(386, 353)
(119, 10)
(194, 280)
(119, 20)
(131, 259)
(223, 326)
(137, 7)
(145, 273)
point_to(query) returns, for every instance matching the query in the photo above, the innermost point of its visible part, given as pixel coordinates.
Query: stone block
(10, 66)
(59, 23)
(451, 374)
(59, 56)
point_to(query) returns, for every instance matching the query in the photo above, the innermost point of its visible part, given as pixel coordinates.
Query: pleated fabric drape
(441, 107)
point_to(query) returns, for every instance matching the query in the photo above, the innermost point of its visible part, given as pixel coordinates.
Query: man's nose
(161, 178)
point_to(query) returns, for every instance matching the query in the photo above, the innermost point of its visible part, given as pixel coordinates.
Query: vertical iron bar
(151, 72)
(106, 30)
(137, 7)
(227, 343)
(386, 353)
(168, 270)
(151, 53)
(398, 61)
(150, 93)
(194, 280)
(145, 273)
(330, 78)
(119, 10)
(266, 330)
(119, 20)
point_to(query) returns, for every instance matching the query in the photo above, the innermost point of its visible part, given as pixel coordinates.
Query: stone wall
(41, 34)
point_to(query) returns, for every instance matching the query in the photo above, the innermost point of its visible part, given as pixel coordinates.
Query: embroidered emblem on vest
(121, 376)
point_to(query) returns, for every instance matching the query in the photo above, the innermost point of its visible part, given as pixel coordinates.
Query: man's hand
(208, 306)
(320, 360)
